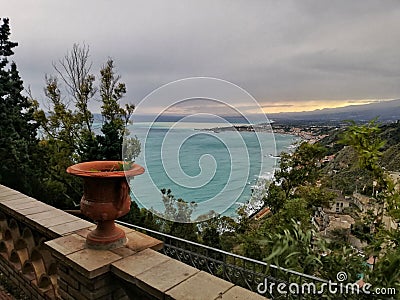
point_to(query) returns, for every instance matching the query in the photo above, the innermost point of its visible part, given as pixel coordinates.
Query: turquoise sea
(216, 169)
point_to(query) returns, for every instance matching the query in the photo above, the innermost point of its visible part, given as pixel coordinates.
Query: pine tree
(17, 125)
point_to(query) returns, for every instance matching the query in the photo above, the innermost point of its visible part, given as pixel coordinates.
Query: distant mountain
(387, 111)
(196, 119)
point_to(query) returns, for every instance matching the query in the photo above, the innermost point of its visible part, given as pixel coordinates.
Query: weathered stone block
(239, 293)
(92, 263)
(158, 280)
(128, 267)
(62, 284)
(70, 280)
(138, 241)
(99, 293)
(63, 229)
(201, 286)
(77, 294)
(119, 294)
(64, 295)
(67, 245)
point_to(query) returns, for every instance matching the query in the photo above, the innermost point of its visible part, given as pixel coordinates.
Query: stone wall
(43, 251)
(25, 225)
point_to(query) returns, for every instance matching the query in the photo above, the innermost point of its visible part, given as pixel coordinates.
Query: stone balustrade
(43, 252)
(25, 225)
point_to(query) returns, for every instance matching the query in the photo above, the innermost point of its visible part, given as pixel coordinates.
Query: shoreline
(311, 134)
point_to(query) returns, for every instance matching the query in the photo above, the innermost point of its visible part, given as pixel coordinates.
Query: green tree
(294, 248)
(315, 196)
(177, 217)
(367, 143)
(210, 232)
(68, 125)
(296, 209)
(386, 272)
(115, 119)
(69, 119)
(275, 198)
(301, 167)
(18, 129)
(343, 259)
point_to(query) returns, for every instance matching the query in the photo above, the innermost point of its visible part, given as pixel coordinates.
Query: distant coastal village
(306, 132)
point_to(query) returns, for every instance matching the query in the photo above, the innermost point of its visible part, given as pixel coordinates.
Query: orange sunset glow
(310, 105)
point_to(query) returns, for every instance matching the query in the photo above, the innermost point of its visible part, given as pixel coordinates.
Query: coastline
(310, 134)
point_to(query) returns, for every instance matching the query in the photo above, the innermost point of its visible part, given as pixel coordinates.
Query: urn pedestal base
(106, 236)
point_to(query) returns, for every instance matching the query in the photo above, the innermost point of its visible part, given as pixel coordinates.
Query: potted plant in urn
(106, 197)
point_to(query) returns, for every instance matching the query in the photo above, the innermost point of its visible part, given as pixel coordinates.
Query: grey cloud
(276, 50)
(277, 105)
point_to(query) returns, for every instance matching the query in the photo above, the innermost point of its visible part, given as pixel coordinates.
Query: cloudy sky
(290, 55)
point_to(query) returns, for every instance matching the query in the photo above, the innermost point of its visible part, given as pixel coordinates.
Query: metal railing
(249, 273)
(242, 271)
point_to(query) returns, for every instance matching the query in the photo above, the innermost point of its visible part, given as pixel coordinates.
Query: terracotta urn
(106, 197)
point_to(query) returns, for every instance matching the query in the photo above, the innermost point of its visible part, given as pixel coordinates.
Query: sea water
(216, 169)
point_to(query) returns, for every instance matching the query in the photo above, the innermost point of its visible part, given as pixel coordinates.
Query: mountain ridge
(385, 110)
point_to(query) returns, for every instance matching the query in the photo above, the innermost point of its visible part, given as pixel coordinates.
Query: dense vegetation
(355, 176)
(18, 129)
